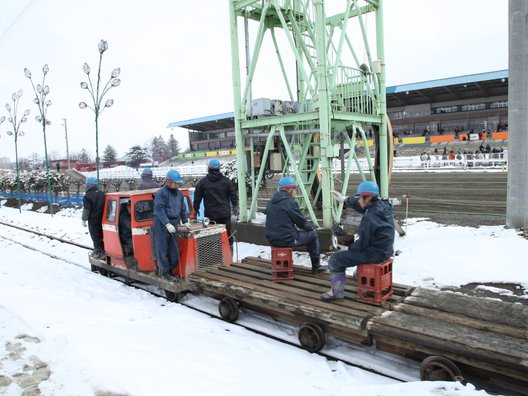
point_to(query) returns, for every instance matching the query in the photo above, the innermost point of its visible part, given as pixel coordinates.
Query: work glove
(188, 226)
(170, 228)
(338, 196)
(84, 223)
(236, 211)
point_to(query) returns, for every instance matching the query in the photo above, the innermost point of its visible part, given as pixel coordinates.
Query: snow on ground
(68, 331)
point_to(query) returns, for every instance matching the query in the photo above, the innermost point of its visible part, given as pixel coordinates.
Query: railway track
(381, 363)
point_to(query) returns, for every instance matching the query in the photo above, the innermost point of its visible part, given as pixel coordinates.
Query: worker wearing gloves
(92, 216)
(169, 210)
(219, 197)
(376, 236)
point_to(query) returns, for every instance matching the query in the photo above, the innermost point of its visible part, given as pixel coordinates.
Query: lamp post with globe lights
(16, 132)
(97, 93)
(41, 91)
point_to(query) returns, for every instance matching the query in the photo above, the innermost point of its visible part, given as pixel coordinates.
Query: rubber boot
(337, 291)
(316, 265)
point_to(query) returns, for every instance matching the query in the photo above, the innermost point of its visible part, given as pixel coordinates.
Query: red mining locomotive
(203, 247)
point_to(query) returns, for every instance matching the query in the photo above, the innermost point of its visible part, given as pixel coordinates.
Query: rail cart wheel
(172, 296)
(93, 268)
(103, 272)
(312, 337)
(438, 368)
(228, 309)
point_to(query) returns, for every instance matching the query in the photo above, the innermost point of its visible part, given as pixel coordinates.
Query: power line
(17, 18)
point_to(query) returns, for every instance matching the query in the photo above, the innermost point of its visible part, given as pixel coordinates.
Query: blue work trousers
(310, 240)
(340, 261)
(167, 250)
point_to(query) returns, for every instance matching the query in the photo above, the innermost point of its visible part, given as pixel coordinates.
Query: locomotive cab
(199, 248)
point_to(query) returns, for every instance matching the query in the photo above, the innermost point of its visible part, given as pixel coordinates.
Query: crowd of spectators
(466, 157)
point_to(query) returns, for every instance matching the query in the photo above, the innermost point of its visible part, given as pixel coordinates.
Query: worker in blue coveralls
(376, 236)
(169, 210)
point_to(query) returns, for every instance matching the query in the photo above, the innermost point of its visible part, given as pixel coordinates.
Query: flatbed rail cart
(456, 337)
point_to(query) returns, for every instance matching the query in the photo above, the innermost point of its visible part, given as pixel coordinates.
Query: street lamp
(98, 95)
(41, 91)
(16, 132)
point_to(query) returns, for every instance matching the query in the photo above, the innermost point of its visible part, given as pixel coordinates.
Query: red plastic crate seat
(281, 264)
(374, 285)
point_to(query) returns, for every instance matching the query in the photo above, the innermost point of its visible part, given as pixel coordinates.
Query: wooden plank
(280, 300)
(148, 278)
(296, 286)
(324, 277)
(303, 283)
(346, 333)
(318, 282)
(285, 291)
(496, 348)
(462, 320)
(416, 351)
(494, 311)
(399, 289)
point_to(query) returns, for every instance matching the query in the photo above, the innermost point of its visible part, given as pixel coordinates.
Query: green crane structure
(333, 98)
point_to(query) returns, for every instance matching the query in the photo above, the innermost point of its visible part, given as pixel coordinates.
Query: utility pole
(67, 147)
(517, 198)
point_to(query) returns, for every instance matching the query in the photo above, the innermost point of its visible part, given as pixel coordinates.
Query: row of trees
(157, 150)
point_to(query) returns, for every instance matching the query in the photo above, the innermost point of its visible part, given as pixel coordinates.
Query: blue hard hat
(287, 182)
(174, 176)
(214, 164)
(369, 188)
(91, 181)
(147, 171)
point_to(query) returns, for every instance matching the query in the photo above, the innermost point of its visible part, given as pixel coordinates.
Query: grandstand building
(445, 110)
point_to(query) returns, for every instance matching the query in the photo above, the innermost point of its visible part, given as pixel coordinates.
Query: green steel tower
(331, 68)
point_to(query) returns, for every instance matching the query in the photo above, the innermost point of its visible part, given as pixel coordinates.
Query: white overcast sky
(175, 60)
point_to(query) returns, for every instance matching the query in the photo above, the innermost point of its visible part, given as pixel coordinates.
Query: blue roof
(216, 117)
(470, 78)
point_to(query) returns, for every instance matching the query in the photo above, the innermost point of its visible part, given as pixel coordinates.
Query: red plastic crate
(281, 264)
(374, 285)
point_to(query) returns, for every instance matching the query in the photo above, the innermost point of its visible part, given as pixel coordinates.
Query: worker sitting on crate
(283, 217)
(376, 236)
(169, 210)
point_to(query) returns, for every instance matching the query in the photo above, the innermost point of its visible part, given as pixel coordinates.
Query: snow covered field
(72, 332)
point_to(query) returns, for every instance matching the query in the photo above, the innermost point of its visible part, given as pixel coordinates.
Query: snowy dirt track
(67, 331)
